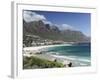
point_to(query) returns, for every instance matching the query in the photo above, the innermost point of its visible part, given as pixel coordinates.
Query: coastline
(37, 51)
(51, 57)
(40, 47)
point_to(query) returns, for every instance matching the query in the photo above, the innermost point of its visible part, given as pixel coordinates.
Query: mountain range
(52, 32)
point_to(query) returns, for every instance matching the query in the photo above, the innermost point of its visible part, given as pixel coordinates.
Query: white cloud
(32, 16)
(65, 27)
(47, 22)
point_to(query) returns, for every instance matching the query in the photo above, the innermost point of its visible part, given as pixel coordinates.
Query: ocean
(80, 54)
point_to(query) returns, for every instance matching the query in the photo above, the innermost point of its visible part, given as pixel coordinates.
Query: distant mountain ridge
(52, 32)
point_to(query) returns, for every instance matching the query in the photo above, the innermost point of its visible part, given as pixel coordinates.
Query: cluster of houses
(41, 42)
(33, 40)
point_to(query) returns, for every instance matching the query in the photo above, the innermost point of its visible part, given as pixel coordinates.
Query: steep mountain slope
(52, 32)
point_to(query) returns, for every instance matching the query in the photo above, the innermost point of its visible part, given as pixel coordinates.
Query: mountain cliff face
(52, 32)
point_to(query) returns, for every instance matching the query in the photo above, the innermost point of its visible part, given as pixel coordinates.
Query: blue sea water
(79, 53)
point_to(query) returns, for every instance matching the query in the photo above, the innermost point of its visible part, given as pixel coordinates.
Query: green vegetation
(34, 62)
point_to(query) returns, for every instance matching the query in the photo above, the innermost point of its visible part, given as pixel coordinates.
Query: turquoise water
(80, 54)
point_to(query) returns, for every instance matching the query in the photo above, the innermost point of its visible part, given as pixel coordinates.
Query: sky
(64, 20)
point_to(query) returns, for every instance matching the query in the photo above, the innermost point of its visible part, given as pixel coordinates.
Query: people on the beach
(70, 64)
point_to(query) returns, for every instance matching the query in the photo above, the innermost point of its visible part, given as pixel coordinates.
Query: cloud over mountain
(30, 16)
(65, 27)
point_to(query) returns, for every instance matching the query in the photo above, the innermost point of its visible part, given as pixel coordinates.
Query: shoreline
(51, 57)
(45, 46)
(37, 51)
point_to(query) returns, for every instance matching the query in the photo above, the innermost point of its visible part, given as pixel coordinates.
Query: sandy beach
(39, 51)
(36, 50)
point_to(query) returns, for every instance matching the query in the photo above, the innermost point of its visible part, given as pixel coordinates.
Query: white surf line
(47, 46)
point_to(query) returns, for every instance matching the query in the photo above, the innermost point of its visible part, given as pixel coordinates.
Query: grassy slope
(34, 62)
